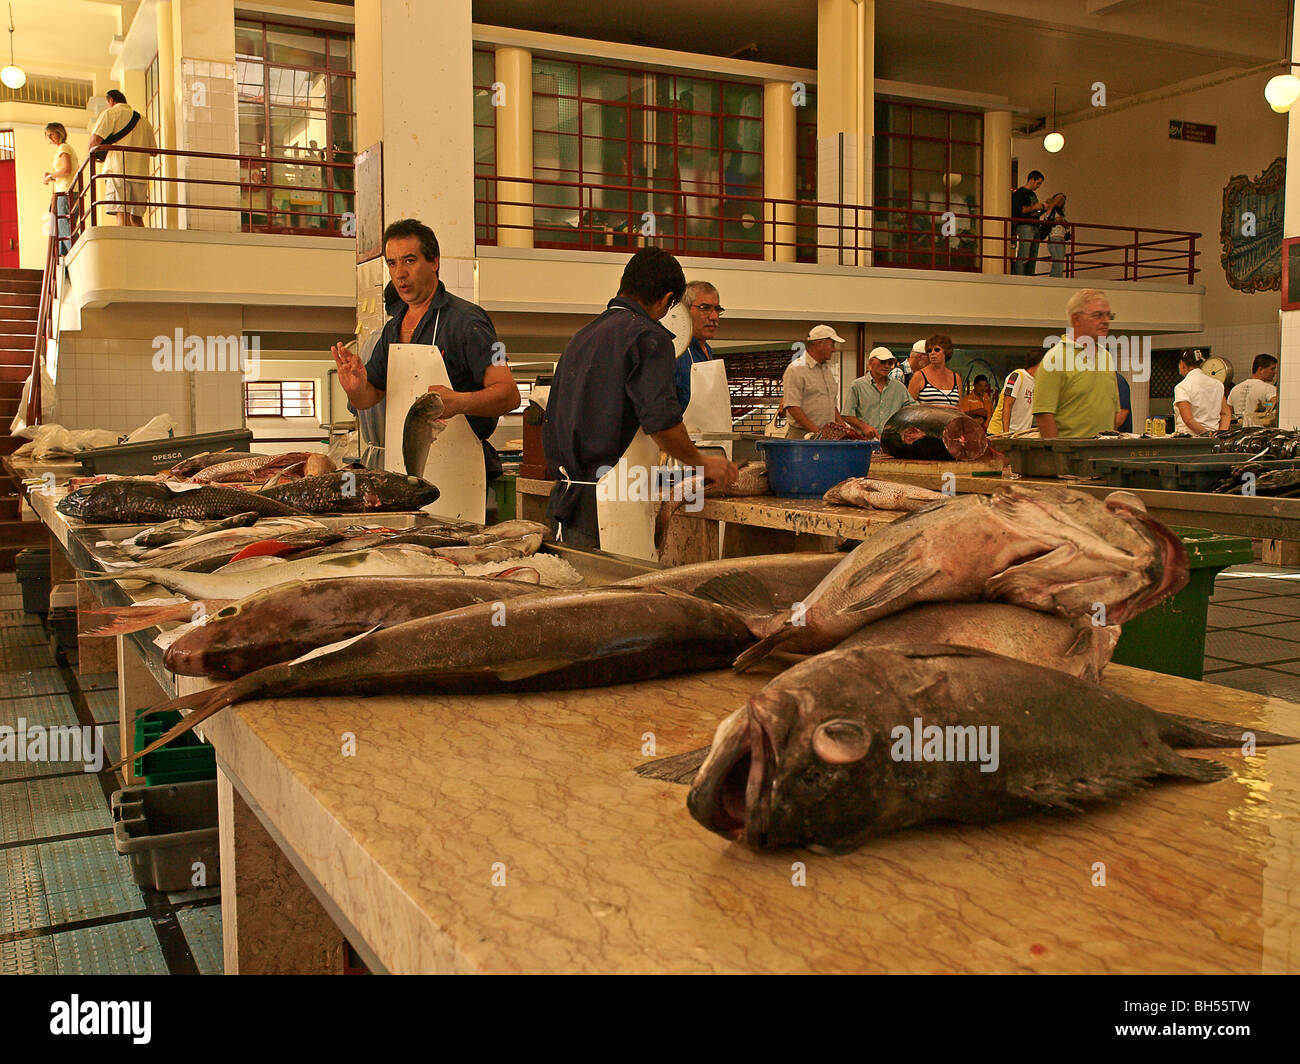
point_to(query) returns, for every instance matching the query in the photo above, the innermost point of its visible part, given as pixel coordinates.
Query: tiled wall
(1288, 379)
(1237, 343)
(208, 122)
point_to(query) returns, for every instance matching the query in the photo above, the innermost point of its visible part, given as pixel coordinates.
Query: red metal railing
(44, 315)
(266, 202)
(606, 217)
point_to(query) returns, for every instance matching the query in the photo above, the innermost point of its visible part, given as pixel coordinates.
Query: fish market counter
(509, 833)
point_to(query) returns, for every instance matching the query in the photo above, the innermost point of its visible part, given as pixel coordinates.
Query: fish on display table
(1048, 548)
(288, 620)
(242, 470)
(873, 494)
(354, 491)
(189, 466)
(247, 578)
(133, 501)
(174, 531)
(861, 741)
(571, 639)
(933, 433)
(750, 480)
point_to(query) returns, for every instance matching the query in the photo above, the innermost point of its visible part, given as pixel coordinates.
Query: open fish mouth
(728, 794)
(1175, 569)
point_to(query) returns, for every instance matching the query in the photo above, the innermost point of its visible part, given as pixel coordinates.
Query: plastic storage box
(153, 455)
(1198, 472)
(166, 831)
(182, 760)
(807, 469)
(1170, 637)
(1074, 457)
(32, 567)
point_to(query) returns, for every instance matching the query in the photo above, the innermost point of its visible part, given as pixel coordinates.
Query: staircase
(19, 307)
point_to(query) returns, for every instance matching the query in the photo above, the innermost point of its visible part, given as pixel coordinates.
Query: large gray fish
(355, 491)
(248, 467)
(174, 531)
(423, 425)
(287, 620)
(861, 741)
(128, 501)
(571, 639)
(933, 433)
(1047, 548)
(187, 467)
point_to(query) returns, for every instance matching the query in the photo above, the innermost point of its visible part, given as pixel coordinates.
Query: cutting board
(455, 463)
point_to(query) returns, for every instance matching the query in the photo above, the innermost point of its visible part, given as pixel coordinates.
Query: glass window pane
(249, 77)
(966, 126)
(927, 122)
(600, 83)
(928, 155)
(742, 100)
(694, 94)
(965, 159)
(293, 129)
(295, 47)
(341, 94)
(340, 53)
(248, 38)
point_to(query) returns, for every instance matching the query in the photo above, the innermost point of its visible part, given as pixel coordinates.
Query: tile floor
(68, 904)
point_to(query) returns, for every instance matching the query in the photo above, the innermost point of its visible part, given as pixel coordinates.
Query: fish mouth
(1175, 568)
(726, 791)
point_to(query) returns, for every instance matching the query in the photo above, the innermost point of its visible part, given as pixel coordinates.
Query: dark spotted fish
(354, 491)
(130, 501)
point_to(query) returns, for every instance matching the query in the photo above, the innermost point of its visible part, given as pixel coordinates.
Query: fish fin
(1192, 768)
(760, 650)
(121, 620)
(739, 591)
(1192, 731)
(680, 768)
(523, 670)
(185, 726)
(193, 700)
(896, 585)
(1070, 795)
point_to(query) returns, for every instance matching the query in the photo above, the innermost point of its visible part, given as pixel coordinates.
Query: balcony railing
(548, 213)
(218, 192)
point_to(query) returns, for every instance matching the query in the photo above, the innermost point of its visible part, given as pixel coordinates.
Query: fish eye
(839, 742)
(227, 611)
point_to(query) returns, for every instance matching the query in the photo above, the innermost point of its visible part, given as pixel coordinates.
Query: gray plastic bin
(165, 830)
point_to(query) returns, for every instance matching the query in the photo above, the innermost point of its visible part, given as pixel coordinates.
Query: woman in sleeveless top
(938, 385)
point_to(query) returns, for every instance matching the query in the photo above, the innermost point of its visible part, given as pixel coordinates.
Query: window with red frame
(927, 159)
(625, 158)
(485, 148)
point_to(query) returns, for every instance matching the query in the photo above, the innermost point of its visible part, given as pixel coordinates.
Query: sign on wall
(1251, 229)
(1196, 132)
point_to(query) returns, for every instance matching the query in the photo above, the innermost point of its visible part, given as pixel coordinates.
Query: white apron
(709, 409)
(455, 462)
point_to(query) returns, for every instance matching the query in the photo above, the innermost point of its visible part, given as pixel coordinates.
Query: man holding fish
(482, 387)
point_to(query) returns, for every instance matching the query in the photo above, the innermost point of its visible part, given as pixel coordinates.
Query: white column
(780, 147)
(514, 115)
(996, 193)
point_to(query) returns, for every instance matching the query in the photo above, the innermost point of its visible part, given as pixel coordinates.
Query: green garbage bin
(1170, 637)
(504, 486)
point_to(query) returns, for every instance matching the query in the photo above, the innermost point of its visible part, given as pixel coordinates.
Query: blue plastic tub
(807, 469)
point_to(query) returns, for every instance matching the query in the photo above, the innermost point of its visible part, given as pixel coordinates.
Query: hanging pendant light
(13, 75)
(1053, 142)
(1283, 90)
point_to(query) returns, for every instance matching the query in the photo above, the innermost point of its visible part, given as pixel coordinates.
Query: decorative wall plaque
(1251, 229)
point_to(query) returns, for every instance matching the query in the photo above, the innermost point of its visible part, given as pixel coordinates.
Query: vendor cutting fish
(614, 393)
(482, 386)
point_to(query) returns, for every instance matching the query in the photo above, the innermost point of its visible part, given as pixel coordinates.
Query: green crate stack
(183, 760)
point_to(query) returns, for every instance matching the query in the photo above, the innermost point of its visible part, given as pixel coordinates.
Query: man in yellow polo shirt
(1075, 393)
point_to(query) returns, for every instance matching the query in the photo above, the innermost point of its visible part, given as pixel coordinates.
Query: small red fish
(267, 548)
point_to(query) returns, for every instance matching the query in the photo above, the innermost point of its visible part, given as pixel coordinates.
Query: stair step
(15, 373)
(12, 273)
(16, 328)
(19, 313)
(19, 299)
(21, 288)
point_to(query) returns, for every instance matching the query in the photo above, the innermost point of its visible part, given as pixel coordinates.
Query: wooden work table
(509, 833)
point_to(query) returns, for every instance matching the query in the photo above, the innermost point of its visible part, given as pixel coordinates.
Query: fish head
(802, 762)
(419, 492)
(76, 503)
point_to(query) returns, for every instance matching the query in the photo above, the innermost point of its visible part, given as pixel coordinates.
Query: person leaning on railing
(60, 176)
(125, 189)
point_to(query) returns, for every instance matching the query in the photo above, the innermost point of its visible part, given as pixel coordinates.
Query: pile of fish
(836, 430)
(751, 480)
(1276, 483)
(1278, 443)
(933, 433)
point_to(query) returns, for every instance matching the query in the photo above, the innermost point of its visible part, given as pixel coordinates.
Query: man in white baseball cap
(810, 394)
(877, 397)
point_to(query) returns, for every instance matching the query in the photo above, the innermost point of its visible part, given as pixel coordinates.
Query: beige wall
(1169, 184)
(32, 157)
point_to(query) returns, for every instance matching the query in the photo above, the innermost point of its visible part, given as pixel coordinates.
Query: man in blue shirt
(701, 301)
(615, 377)
(1124, 419)
(482, 387)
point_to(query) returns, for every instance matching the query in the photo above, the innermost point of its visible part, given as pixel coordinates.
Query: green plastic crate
(504, 486)
(1170, 637)
(183, 760)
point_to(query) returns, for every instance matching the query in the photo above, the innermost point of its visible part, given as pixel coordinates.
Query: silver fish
(423, 425)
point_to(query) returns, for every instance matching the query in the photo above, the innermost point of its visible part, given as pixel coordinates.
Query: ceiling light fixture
(13, 75)
(1283, 90)
(1053, 142)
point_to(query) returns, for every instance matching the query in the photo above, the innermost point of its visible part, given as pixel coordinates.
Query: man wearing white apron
(613, 388)
(482, 386)
(701, 302)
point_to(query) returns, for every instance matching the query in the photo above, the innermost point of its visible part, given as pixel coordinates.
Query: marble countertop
(509, 833)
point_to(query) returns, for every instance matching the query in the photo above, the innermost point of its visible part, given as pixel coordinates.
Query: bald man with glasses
(1075, 392)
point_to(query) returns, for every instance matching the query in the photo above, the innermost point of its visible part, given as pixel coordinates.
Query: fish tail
(184, 727)
(122, 620)
(194, 700)
(1192, 731)
(760, 650)
(680, 768)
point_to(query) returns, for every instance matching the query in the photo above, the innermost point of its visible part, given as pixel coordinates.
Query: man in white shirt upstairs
(1247, 397)
(1199, 403)
(128, 171)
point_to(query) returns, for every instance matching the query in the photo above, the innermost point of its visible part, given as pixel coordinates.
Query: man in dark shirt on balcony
(615, 377)
(1025, 209)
